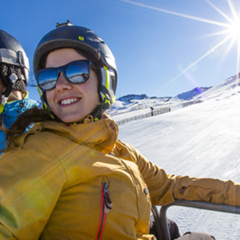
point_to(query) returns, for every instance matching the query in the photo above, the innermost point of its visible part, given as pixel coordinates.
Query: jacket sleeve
(207, 189)
(165, 188)
(31, 183)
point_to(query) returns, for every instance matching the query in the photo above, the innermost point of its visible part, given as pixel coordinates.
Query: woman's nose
(62, 83)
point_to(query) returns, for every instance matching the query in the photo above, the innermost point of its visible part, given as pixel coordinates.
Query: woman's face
(71, 102)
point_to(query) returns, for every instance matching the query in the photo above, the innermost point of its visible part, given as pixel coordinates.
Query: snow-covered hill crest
(132, 102)
(220, 89)
(193, 93)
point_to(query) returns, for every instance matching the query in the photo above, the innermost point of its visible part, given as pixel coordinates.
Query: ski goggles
(75, 72)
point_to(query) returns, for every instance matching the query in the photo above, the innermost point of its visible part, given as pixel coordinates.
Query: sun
(230, 32)
(235, 29)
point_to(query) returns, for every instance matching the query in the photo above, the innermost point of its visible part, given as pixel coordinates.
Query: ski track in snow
(201, 140)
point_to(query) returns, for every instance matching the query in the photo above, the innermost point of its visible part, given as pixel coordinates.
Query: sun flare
(230, 32)
(235, 29)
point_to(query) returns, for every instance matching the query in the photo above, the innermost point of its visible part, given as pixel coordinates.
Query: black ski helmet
(13, 54)
(66, 35)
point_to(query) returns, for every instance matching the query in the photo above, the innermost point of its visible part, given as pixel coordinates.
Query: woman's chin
(69, 118)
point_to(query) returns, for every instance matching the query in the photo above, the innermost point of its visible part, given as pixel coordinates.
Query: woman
(69, 177)
(14, 68)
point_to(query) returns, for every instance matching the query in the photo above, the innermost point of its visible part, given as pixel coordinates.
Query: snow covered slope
(220, 89)
(202, 140)
(133, 102)
(193, 93)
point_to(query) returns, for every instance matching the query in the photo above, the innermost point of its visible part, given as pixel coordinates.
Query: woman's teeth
(68, 101)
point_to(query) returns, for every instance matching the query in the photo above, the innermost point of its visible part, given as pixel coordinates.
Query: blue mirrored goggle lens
(75, 73)
(47, 79)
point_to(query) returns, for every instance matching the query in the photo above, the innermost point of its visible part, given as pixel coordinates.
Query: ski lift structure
(160, 217)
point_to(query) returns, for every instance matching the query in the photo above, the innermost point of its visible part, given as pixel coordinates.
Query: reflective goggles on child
(75, 72)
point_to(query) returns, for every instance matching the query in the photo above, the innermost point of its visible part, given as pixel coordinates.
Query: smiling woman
(70, 177)
(71, 102)
(94, 91)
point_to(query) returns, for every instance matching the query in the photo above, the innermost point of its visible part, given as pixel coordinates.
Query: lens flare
(231, 31)
(235, 29)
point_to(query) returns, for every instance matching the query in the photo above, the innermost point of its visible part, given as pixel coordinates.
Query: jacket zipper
(106, 206)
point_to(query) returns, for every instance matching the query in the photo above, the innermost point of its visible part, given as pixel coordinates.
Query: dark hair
(28, 117)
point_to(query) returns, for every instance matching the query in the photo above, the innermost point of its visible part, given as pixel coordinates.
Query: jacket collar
(100, 135)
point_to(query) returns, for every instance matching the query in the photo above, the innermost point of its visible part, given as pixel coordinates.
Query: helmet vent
(68, 23)
(95, 39)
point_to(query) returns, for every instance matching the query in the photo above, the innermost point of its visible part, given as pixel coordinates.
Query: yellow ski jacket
(79, 182)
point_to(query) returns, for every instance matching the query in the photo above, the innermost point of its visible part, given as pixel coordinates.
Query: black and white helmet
(12, 54)
(66, 35)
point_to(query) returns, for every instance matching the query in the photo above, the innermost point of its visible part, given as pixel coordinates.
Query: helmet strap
(98, 112)
(8, 90)
(12, 78)
(47, 109)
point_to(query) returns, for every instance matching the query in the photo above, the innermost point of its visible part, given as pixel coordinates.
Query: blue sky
(154, 41)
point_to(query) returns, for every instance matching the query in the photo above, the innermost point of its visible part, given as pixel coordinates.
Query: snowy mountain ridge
(132, 102)
(133, 97)
(193, 93)
(221, 88)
